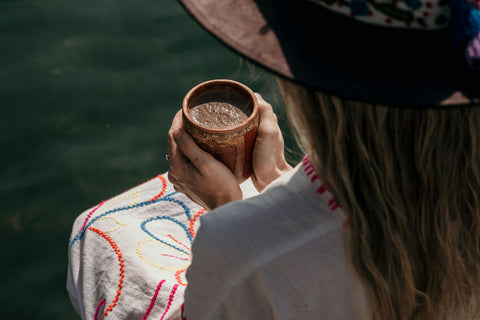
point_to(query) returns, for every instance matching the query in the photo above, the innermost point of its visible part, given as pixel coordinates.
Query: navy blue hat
(412, 53)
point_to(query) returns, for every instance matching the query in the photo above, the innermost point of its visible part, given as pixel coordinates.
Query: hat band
(415, 14)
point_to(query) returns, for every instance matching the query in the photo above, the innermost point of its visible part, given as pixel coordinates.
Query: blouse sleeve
(249, 299)
(220, 284)
(235, 268)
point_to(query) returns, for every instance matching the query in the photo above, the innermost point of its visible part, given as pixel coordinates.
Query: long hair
(408, 182)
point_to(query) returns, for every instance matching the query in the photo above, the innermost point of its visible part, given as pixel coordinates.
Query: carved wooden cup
(222, 117)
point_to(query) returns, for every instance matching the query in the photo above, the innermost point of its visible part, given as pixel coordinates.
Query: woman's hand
(196, 173)
(268, 159)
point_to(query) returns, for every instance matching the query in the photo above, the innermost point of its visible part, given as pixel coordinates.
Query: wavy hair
(408, 181)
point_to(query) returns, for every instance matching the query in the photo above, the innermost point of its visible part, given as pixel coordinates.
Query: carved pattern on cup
(201, 136)
(222, 152)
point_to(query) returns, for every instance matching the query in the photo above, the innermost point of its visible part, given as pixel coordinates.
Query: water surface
(87, 93)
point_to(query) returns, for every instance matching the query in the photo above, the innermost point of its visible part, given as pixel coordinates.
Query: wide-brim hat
(382, 51)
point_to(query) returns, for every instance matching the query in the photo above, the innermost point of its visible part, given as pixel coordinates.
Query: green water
(87, 93)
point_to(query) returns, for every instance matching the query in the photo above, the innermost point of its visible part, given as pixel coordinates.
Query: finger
(198, 157)
(172, 152)
(178, 168)
(171, 144)
(176, 123)
(265, 109)
(268, 120)
(264, 105)
(178, 165)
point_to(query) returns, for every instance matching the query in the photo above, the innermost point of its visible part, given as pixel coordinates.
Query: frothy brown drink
(221, 112)
(222, 117)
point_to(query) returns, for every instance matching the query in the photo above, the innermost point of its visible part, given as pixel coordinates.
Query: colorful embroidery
(152, 303)
(102, 303)
(170, 299)
(166, 247)
(309, 170)
(178, 242)
(79, 235)
(183, 312)
(122, 269)
(167, 218)
(143, 257)
(169, 255)
(117, 226)
(164, 188)
(89, 215)
(192, 221)
(127, 195)
(177, 277)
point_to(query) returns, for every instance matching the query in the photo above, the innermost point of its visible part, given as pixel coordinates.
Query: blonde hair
(408, 181)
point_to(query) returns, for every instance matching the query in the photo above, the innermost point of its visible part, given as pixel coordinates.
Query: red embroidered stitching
(152, 303)
(321, 189)
(122, 268)
(90, 214)
(170, 299)
(182, 308)
(172, 256)
(98, 308)
(309, 170)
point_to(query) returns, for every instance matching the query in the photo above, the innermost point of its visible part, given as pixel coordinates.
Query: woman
(411, 237)
(393, 230)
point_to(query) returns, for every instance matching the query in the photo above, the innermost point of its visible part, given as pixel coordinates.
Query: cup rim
(244, 124)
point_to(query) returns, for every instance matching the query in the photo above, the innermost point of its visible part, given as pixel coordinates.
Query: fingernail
(177, 134)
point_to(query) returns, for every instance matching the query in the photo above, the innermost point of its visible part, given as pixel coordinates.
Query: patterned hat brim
(316, 47)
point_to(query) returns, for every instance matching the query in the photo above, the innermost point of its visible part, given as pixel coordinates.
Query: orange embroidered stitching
(164, 187)
(122, 268)
(171, 237)
(192, 221)
(177, 276)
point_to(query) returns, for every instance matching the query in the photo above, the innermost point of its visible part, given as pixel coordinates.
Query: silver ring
(167, 157)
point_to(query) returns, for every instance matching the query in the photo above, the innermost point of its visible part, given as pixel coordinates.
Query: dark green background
(87, 93)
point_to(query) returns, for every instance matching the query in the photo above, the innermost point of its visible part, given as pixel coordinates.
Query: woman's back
(279, 255)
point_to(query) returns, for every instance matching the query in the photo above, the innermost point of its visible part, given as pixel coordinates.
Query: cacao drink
(222, 117)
